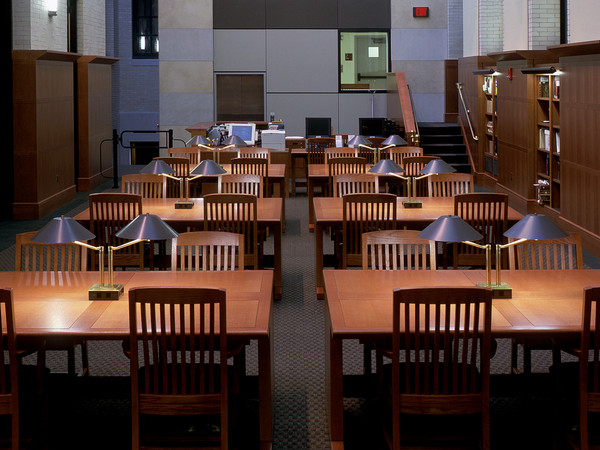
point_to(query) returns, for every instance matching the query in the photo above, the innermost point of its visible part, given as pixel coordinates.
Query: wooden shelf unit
(489, 107)
(547, 110)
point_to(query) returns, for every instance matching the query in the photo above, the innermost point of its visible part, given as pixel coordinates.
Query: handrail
(467, 110)
(416, 137)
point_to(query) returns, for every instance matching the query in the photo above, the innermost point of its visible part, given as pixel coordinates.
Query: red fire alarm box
(421, 11)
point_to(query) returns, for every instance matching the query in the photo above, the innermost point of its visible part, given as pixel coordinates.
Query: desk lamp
(390, 167)
(453, 229)
(433, 167)
(144, 228)
(393, 141)
(229, 142)
(159, 167)
(66, 230)
(206, 168)
(361, 141)
(199, 141)
(530, 227)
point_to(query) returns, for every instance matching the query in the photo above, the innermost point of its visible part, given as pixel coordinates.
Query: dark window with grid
(145, 28)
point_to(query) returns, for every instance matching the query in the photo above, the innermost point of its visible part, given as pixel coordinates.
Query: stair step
(441, 139)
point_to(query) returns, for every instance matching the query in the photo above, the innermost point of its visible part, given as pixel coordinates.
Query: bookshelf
(548, 138)
(490, 150)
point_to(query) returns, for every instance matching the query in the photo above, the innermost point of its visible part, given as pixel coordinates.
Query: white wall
(33, 29)
(515, 32)
(470, 28)
(583, 20)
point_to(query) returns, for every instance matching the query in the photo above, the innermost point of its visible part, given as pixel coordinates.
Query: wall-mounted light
(537, 70)
(484, 71)
(52, 7)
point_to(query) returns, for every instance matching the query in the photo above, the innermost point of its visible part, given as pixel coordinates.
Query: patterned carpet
(93, 412)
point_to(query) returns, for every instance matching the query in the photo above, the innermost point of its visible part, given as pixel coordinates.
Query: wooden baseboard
(37, 210)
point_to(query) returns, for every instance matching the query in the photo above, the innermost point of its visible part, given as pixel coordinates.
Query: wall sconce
(489, 71)
(52, 8)
(539, 70)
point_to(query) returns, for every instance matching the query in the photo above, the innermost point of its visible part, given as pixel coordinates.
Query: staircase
(446, 141)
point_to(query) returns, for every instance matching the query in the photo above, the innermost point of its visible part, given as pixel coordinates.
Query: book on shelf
(544, 87)
(489, 107)
(544, 138)
(557, 141)
(556, 89)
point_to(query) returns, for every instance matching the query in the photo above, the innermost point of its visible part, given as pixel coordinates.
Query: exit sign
(421, 11)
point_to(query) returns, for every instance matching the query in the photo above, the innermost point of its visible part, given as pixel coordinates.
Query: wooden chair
(190, 153)
(397, 250)
(145, 184)
(32, 256)
(315, 149)
(363, 213)
(487, 212)
(338, 166)
(564, 254)
(397, 154)
(235, 213)
(9, 367)
(196, 384)
(207, 250)
(181, 166)
(35, 257)
(412, 166)
(255, 152)
(109, 212)
(589, 363)
(450, 184)
(355, 183)
(256, 166)
(340, 152)
(440, 365)
(241, 183)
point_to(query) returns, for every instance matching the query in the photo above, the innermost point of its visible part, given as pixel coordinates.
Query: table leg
(265, 389)
(277, 283)
(293, 173)
(319, 262)
(334, 385)
(310, 189)
(282, 191)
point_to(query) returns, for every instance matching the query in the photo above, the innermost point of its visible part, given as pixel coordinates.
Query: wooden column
(44, 131)
(94, 121)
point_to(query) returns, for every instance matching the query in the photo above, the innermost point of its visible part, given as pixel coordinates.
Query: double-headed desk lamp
(66, 230)
(207, 167)
(199, 141)
(453, 229)
(392, 141)
(390, 167)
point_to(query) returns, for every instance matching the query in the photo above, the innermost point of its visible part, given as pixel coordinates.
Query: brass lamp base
(501, 290)
(105, 292)
(184, 204)
(412, 204)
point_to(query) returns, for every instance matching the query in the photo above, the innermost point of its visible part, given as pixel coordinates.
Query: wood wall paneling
(44, 132)
(94, 152)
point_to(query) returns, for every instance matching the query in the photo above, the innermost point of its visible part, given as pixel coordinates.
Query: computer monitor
(371, 126)
(318, 127)
(246, 131)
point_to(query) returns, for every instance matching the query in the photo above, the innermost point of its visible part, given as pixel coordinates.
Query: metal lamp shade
(157, 167)
(62, 230)
(208, 167)
(436, 166)
(147, 226)
(359, 140)
(450, 229)
(386, 166)
(234, 140)
(199, 140)
(535, 226)
(394, 140)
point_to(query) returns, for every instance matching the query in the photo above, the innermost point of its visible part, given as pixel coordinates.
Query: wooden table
(359, 305)
(51, 305)
(296, 153)
(328, 213)
(270, 215)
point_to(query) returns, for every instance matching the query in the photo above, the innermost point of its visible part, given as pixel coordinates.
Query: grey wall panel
(301, 13)
(239, 14)
(240, 50)
(361, 14)
(302, 61)
(188, 44)
(294, 108)
(419, 44)
(429, 107)
(353, 106)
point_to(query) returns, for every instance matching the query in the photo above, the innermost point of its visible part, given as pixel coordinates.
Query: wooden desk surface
(359, 305)
(57, 303)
